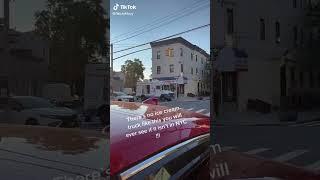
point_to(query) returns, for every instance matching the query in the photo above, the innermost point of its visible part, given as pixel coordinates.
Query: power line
(157, 20)
(187, 14)
(131, 53)
(193, 29)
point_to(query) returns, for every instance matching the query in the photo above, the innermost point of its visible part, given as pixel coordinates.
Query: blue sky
(149, 10)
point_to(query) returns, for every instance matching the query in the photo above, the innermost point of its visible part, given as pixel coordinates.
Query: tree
(133, 71)
(76, 31)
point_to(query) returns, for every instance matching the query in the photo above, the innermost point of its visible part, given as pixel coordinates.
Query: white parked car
(120, 96)
(31, 110)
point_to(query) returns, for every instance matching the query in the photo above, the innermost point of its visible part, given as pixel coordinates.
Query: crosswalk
(288, 157)
(291, 124)
(306, 124)
(257, 151)
(201, 111)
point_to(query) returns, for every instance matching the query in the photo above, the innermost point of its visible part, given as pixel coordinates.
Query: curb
(307, 121)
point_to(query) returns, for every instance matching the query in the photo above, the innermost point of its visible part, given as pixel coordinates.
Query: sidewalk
(259, 119)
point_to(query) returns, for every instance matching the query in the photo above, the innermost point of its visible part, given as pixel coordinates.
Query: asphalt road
(298, 146)
(200, 106)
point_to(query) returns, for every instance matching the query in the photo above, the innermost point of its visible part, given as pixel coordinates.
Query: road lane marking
(307, 124)
(315, 124)
(314, 166)
(201, 110)
(190, 109)
(228, 148)
(290, 155)
(257, 151)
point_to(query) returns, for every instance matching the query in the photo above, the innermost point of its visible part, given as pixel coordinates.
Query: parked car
(165, 97)
(43, 153)
(96, 117)
(30, 110)
(121, 96)
(141, 152)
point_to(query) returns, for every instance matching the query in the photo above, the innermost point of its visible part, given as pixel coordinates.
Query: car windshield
(33, 102)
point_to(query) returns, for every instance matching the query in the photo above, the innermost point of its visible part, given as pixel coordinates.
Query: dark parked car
(165, 97)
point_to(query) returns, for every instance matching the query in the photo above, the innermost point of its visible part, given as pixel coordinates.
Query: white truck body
(59, 92)
(128, 91)
(151, 88)
(95, 91)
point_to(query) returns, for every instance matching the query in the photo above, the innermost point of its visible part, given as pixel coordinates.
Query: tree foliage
(133, 71)
(76, 31)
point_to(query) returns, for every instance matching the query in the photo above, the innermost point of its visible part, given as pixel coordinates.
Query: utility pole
(214, 74)
(111, 61)
(111, 57)
(6, 13)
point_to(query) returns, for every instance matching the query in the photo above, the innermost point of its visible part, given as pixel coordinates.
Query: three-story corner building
(264, 52)
(179, 66)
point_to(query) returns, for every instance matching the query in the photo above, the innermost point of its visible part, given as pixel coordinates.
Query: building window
(277, 32)
(310, 39)
(158, 54)
(191, 56)
(196, 71)
(191, 70)
(294, 3)
(170, 52)
(293, 78)
(301, 80)
(181, 52)
(171, 68)
(295, 36)
(230, 21)
(301, 37)
(201, 60)
(202, 73)
(319, 79)
(158, 69)
(311, 80)
(262, 29)
(181, 67)
(196, 58)
(309, 4)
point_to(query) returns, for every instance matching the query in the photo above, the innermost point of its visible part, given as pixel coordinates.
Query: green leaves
(76, 31)
(133, 71)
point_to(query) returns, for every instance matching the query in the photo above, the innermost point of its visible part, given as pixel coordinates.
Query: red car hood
(128, 149)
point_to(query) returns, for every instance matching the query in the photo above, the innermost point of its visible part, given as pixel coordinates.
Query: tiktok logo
(115, 7)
